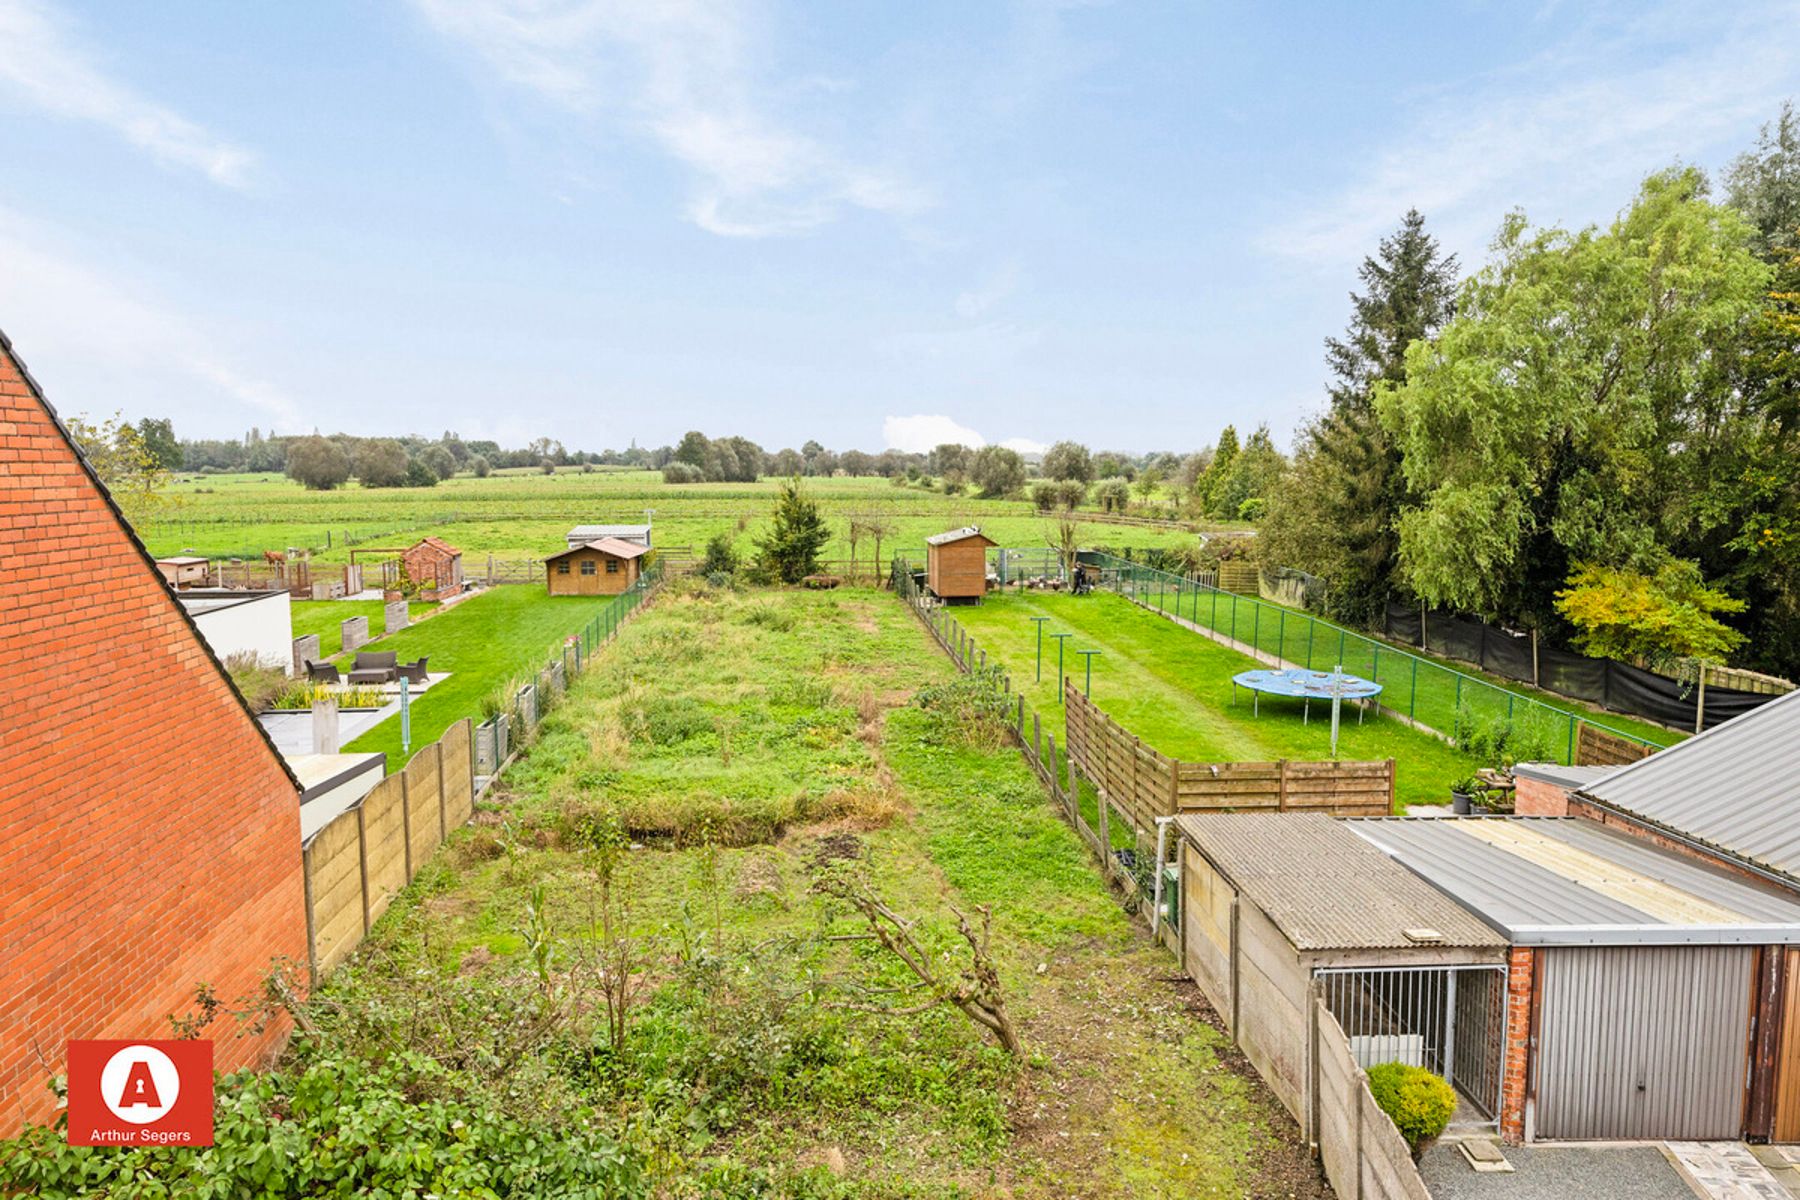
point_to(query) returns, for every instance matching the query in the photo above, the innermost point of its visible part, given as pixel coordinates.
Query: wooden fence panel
(458, 774)
(384, 843)
(424, 807)
(335, 891)
(1598, 748)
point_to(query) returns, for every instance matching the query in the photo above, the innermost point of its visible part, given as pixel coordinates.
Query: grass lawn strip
(1173, 688)
(505, 634)
(326, 618)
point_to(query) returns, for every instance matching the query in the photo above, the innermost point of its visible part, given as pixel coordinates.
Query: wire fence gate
(1451, 1020)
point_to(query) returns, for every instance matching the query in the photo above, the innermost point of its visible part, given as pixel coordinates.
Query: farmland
(524, 514)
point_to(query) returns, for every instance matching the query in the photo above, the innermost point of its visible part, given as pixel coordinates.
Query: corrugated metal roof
(593, 533)
(957, 535)
(1324, 887)
(1568, 881)
(1735, 787)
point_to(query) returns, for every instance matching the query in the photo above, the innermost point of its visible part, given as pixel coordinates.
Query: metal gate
(1641, 1042)
(1449, 1020)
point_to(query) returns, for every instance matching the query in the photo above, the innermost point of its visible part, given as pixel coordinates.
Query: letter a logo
(140, 1087)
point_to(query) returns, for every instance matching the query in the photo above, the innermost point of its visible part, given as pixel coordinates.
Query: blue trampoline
(1307, 686)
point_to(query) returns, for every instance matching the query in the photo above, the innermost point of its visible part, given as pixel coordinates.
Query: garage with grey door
(1638, 977)
(1642, 1041)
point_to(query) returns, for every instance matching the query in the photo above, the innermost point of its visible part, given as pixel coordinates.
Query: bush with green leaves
(1419, 1103)
(341, 1126)
(721, 557)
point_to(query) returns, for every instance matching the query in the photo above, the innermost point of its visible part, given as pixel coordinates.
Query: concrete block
(355, 632)
(394, 616)
(325, 727)
(306, 649)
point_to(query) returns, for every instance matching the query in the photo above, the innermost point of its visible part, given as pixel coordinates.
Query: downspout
(1162, 843)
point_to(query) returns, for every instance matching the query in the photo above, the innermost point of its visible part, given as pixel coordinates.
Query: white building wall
(263, 626)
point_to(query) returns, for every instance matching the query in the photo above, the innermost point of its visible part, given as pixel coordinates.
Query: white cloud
(920, 433)
(1025, 446)
(43, 67)
(684, 72)
(1567, 135)
(116, 348)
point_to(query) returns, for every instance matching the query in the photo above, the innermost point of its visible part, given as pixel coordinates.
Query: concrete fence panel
(334, 891)
(385, 843)
(424, 807)
(1364, 1156)
(458, 774)
(306, 649)
(353, 632)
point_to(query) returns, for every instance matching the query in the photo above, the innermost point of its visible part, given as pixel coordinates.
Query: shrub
(1044, 495)
(1419, 1103)
(680, 472)
(1113, 494)
(261, 686)
(721, 555)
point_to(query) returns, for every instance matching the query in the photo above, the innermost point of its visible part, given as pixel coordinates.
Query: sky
(867, 224)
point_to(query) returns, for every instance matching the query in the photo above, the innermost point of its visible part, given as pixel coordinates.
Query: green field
(502, 636)
(1173, 689)
(519, 515)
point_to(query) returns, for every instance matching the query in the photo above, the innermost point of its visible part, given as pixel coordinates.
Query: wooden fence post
(1281, 787)
(406, 821)
(1391, 774)
(312, 925)
(443, 813)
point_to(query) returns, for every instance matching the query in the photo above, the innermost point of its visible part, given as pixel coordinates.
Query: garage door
(1642, 1042)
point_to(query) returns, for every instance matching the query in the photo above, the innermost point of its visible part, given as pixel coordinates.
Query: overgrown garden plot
(1173, 688)
(751, 744)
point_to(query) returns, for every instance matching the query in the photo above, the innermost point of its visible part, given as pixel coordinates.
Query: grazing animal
(274, 556)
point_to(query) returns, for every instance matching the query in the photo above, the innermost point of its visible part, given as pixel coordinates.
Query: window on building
(587, 566)
(562, 568)
(612, 566)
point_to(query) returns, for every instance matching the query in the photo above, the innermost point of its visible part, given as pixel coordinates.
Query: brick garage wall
(1539, 798)
(1514, 1078)
(149, 834)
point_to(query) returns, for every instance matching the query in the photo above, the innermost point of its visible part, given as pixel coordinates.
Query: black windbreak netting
(1618, 686)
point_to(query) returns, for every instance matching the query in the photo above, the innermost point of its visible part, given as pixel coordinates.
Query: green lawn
(504, 634)
(326, 618)
(1428, 690)
(1173, 688)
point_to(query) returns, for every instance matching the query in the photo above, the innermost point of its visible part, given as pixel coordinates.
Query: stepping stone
(1484, 1155)
(1726, 1171)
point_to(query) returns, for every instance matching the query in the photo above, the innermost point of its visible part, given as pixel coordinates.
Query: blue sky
(864, 223)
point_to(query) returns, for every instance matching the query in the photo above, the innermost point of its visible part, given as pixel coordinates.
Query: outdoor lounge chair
(322, 672)
(414, 672)
(380, 666)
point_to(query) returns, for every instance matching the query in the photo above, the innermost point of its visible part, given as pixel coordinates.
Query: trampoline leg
(1306, 712)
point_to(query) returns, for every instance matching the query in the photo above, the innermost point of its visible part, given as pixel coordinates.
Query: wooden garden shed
(600, 568)
(956, 563)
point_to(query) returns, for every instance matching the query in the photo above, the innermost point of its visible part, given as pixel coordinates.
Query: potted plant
(1462, 795)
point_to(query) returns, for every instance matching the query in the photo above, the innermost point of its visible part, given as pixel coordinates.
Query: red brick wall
(433, 569)
(149, 835)
(1538, 798)
(1517, 1065)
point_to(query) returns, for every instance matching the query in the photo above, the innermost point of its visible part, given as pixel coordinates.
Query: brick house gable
(149, 832)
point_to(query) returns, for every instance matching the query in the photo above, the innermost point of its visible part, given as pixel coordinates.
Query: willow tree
(1552, 420)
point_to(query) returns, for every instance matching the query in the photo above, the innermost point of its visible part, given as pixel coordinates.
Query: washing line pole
(1039, 621)
(1061, 641)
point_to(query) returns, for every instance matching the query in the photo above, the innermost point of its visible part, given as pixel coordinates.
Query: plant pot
(1461, 803)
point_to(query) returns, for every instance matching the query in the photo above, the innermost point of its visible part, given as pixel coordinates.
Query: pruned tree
(974, 989)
